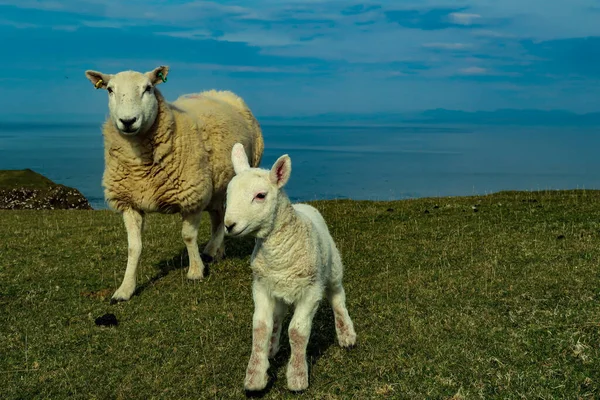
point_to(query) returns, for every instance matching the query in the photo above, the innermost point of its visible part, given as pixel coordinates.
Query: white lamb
(170, 158)
(295, 262)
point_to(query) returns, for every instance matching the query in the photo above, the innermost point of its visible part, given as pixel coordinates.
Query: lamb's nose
(230, 227)
(128, 121)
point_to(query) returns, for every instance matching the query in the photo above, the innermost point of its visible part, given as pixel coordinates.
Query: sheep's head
(252, 194)
(131, 101)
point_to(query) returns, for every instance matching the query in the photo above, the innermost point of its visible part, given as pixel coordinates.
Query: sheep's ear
(158, 75)
(98, 79)
(281, 170)
(239, 158)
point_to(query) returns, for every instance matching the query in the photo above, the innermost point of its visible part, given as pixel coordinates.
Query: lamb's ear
(281, 170)
(158, 75)
(98, 79)
(239, 158)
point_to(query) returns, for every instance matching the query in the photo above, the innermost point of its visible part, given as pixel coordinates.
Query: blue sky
(307, 57)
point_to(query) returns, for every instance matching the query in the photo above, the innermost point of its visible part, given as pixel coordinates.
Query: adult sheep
(170, 158)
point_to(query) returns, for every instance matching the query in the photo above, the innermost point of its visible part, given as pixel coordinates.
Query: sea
(352, 162)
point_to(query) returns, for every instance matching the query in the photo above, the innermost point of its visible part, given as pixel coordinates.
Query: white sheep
(295, 262)
(170, 158)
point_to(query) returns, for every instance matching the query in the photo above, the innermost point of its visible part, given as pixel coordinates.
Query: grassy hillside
(23, 178)
(480, 297)
(27, 190)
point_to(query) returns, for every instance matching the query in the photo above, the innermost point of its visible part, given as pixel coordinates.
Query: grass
(448, 303)
(23, 178)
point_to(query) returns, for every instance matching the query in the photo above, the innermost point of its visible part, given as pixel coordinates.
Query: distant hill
(27, 190)
(23, 178)
(444, 116)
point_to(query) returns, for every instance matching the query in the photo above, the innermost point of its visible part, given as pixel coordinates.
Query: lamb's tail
(237, 102)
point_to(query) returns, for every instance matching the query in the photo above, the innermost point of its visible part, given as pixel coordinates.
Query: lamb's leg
(343, 324)
(278, 316)
(262, 327)
(299, 333)
(189, 232)
(215, 248)
(134, 223)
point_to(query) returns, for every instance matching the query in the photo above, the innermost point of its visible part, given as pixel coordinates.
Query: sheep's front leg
(262, 327)
(215, 248)
(299, 333)
(189, 232)
(134, 223)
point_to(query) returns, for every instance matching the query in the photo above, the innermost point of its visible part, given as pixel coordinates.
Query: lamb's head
(132, 103)
(254, 195)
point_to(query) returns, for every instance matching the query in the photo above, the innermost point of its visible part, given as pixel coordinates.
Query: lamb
(170, 158)
(295, 262)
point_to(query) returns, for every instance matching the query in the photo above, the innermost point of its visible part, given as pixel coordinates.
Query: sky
(294, 58)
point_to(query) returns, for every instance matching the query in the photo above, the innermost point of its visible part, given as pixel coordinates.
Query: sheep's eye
(148, 88)
(109, 89)
(261, 196)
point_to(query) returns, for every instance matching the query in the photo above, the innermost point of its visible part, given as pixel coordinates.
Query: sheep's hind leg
(215, 248)
(343, 324)
(189, 233)
(278, 316)
(134, 223)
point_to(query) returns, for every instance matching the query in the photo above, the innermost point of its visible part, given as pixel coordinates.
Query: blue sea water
(369, 163)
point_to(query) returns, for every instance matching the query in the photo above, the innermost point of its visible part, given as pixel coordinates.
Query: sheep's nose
(230, 227)
(128, 121)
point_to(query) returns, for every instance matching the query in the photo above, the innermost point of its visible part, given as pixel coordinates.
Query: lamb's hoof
(255, 382)
(195, 274)
(347, 341)
(298, 382)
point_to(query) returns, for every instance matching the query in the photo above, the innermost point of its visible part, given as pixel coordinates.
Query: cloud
(448, 46)
(191, 34)
(17, 25)
(428, 19)
(296, 45)
(571, 58)
(484, 33)
(473, 71)
(358, 9)
(463, 18)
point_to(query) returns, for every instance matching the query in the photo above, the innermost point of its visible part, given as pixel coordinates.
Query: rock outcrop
(28, 190)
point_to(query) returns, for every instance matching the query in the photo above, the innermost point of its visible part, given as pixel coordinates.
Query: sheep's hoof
(195, 274)
(209, 256)
(121, 295)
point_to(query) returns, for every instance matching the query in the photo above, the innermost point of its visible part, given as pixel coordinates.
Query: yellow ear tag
(99, 83)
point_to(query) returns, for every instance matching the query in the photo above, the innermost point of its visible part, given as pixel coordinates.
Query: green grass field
(24, 178)
(492, 296)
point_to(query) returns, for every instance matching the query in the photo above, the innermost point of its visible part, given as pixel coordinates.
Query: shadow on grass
(234, 249)
(239, 248)
(322, 336)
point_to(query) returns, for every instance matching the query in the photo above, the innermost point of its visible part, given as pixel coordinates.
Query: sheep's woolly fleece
(182, 164)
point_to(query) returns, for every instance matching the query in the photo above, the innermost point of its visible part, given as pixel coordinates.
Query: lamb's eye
(261, 196)
(109, 89)
(148, 88)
